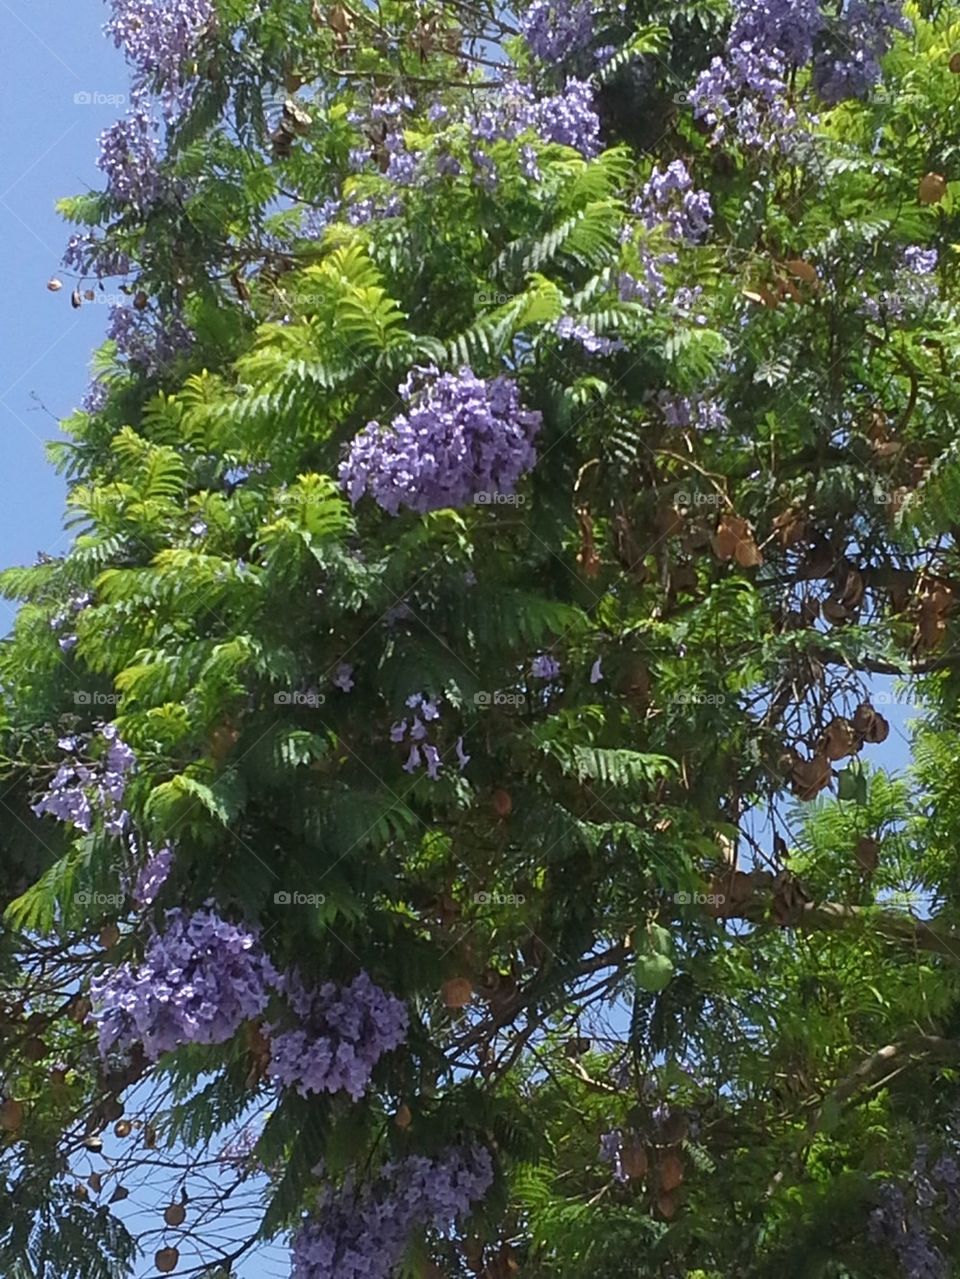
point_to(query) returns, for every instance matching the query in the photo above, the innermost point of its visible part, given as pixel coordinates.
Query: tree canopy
(445, 825)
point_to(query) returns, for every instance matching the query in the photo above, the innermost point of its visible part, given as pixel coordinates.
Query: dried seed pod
(166, 1260)
(670, 1173)
(457, 992)
(932, 188)
(175, 1215)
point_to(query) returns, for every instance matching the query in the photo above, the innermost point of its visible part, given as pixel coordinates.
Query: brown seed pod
(502, 803)
(932, 188)
(119, 1195)
(109, 936)
(175, 1215)
(123, 1129)
(11, 1114)
(634, 1159)
(404, 1117)
(166, 1260)
(34, 1049)
(140, 300)
(54, 285)
(457, 992)
(670, 1173)
(667, 1206)
(79, 1009)
(840, 739)
(867, 853)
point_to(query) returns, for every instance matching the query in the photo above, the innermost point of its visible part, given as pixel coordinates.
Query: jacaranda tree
(444, 830)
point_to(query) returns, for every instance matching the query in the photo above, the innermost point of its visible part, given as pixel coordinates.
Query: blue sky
(55, 51)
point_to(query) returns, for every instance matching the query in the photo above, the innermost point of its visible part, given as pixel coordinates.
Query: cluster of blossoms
(849, 65)
(65, 620)
(148, 339)
(87, 253)
(568, 329)
(154, 873)
(362, 1232)
(461, 436)
(342, 1033)
(668, 200)
(914, 288)
(423, 752)
(199, 980)
(554, 29)
(683, 411)
(744, 96)
(791, 26)
(130, 157)
(544, 666)
(159, 38)
(80, 792)
(897, 1224)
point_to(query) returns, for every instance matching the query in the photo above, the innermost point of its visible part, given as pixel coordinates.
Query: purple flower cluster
(342, 1033)
(422, 751)
(362, 1232)
(544, 666)
(556, 28)
(568, 329)
(744, 95)
(683, 411)
(670, 199)
(148, 339)
(199, 980)
(80, 793)
(569, 118)
(915, 286)
(848, 66)
(159, 38)
(130, 157)
(153, 875)
(611, 1152)
(87, 253)
(461, 436)
(65, 619)
(791, 26)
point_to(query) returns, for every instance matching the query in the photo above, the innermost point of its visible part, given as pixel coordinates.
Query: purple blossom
(569, 118)
(791, 26)
(744, 96)
(682, 412)
(585, 337)
(130, 157)
(159, 38)
(153, 875)
(670, 198)
(463, 759)
(82, 793)
(341, 1034)
(87, 253)
(147, 339)
(545, 667)
(611, 1152)
(848, 66)
(461, 435)
(596, 674)
(199, 980)
(343, 677)
(556, 28)
(919, 260)
(362, 1232)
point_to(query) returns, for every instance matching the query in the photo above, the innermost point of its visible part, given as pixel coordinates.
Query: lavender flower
(670, 198)
(596, 674)
(130, 157)
(82, 793)
(343, 1032)
(361, 1232)
(791, 26)
(556, 28)
(461, 435)
(745, 96)
(199, 980)
(545, 667)
(160, 38)
(585, 337)
(343, 677)
(153, 875)
(569, 117)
